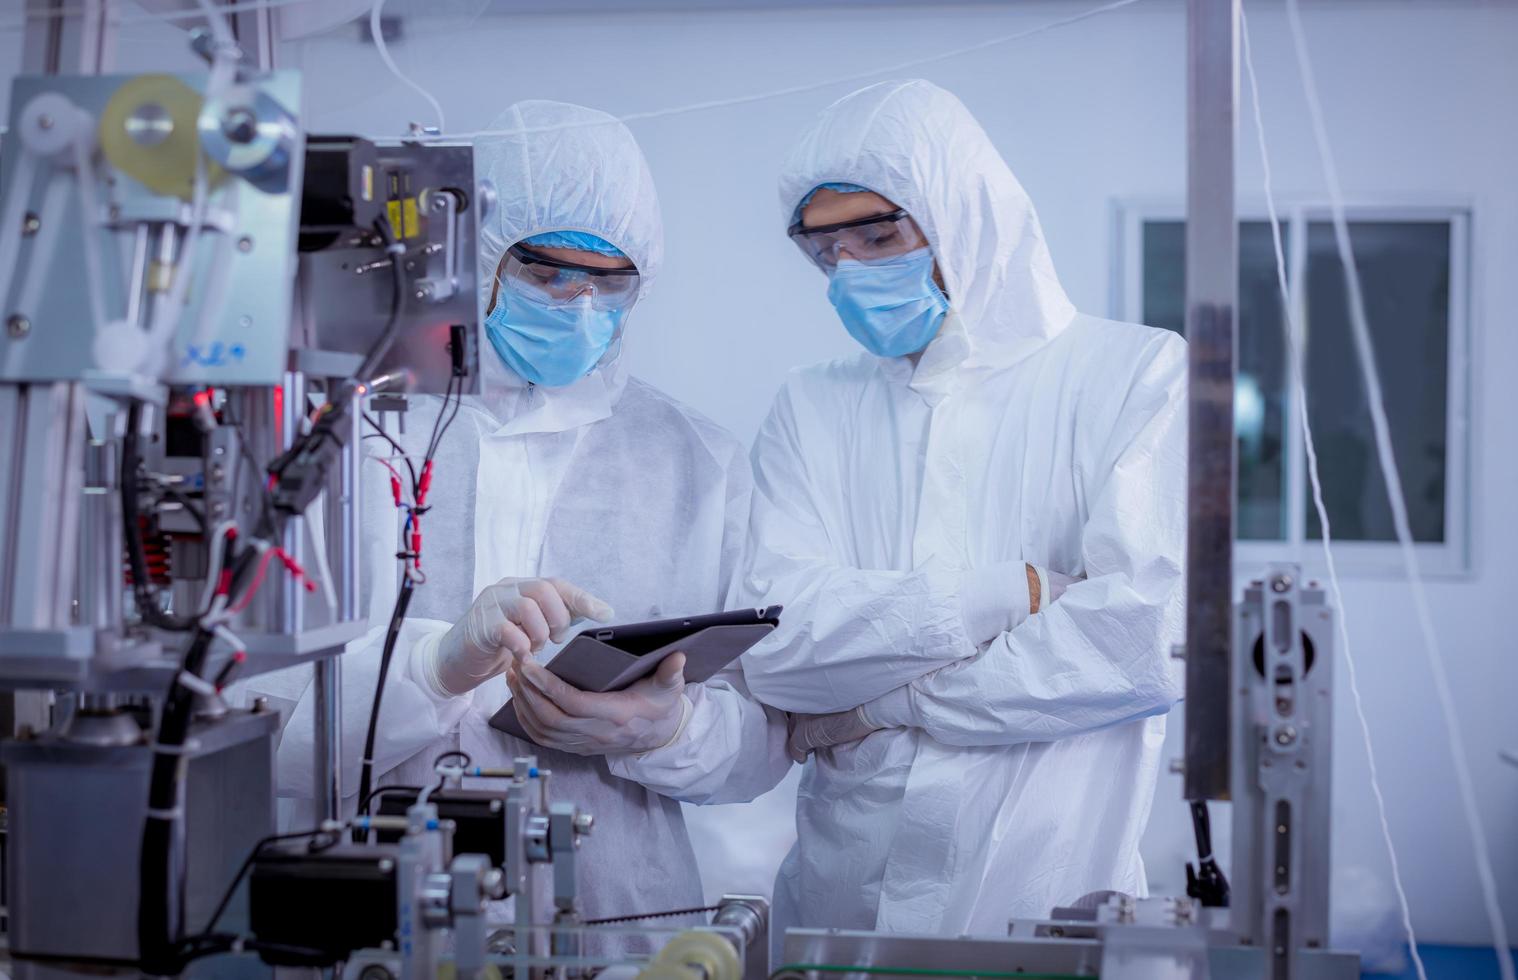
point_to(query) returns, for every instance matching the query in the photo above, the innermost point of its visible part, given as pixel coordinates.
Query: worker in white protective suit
(976, 528)
(564, 491)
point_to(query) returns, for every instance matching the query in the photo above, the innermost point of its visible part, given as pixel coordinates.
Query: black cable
(459, 754)
(300, 471)
(184, 501)
(400, 452)
(1205, 882)
(242, 872)
(378, 791)
(266, 507)
(142, 588)
(397, 617)
(160, 899)
(439, 427)
(387, 336)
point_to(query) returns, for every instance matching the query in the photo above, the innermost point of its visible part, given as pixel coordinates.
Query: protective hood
(917, 145)
(563, 167)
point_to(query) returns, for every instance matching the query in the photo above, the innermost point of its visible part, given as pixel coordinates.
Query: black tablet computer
(610, 658)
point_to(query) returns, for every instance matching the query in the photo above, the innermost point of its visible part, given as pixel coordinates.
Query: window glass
(1259, 398)
(1405, 276)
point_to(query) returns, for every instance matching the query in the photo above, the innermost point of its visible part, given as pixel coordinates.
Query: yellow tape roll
(148, 132)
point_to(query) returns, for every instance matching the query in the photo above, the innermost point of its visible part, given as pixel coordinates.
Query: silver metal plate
(235, 327)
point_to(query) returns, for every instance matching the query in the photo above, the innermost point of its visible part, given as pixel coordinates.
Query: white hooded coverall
(607, 483)
(1017, 769)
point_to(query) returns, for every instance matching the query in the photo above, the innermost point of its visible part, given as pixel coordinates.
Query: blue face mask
(550, 345)
(893, 308)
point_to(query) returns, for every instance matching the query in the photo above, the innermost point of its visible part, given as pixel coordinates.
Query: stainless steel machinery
(198, 298)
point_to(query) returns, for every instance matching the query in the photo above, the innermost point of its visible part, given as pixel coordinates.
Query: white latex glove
(648, 715)
(811, 732)
(515, 616)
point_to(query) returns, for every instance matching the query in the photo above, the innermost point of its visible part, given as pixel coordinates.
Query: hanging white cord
(858, 76)
(1365, 352)
(1292, 330)
(377, 32)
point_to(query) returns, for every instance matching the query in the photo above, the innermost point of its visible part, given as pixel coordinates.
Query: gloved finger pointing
(529, 616)
(506, 637)
(582, 603)
(551, 604)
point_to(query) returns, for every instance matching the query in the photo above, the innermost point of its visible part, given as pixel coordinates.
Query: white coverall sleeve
(847, 634)
(731, 748)
(1099, 656)
(412, 715)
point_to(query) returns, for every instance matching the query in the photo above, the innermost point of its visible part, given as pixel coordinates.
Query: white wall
(1419, 99)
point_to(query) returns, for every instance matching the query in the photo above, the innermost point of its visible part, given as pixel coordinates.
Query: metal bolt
(245, 243)
(584, 823)
(245, 321)
(493, 885)
(410, 265)
(1178, 766)
(260, 705)
(44, 121)
(1281, 583)
(1286, 735)
(18, 326)
(438, 204)
(386, 864)
(240, 125)
(1178, 652)
(149, 124)
(30, 224)
(114, 212)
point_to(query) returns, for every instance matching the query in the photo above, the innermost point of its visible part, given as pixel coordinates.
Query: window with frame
(1413, 268)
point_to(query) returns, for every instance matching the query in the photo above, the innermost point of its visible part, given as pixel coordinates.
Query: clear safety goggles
(556, 283)
(872, 239)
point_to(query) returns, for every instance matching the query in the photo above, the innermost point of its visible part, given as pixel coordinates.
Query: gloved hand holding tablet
(606, 660)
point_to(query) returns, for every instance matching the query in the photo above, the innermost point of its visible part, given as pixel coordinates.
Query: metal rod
(328, 743)
(254, 30)
(139, 276)
(292, 599)
(1211, 304)
(328, 721)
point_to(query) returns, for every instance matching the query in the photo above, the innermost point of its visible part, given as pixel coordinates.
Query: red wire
(258, 580)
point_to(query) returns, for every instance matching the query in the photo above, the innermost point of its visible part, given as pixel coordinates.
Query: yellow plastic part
(706, 953)
(168, 166)
(450, 971)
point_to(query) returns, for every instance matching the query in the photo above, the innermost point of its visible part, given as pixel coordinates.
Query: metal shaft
(1211, 321)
